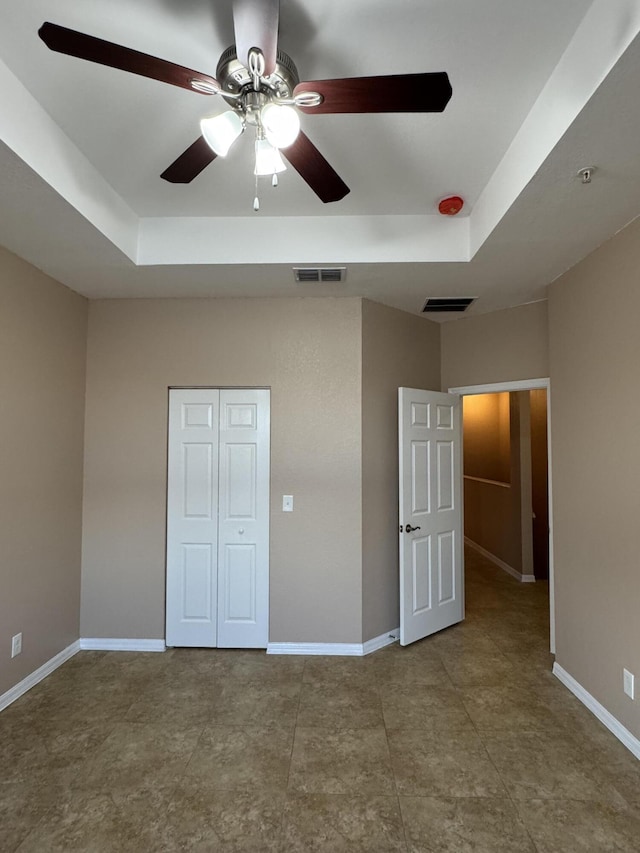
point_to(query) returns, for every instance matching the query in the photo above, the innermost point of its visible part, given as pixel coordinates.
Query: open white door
(431, 541)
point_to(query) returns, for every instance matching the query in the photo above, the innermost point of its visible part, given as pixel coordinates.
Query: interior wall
(398, 349)
(486, 436)
(308, 351)
(493, 478)
(43, 328)
(540, 482)
(500, 347)
(523, 465)
(595, 412)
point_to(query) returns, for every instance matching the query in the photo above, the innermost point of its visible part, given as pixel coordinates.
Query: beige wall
(308, 352)
(595, 413)
(489, 520)
(496, 513)
(398, 349)
(487, 443)
(521, 471)
(42, 363)
(499, 347)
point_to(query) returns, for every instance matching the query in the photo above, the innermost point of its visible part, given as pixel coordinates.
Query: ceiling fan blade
(190, 163)
(73, 43)
(397, 93)
(315, 170)
(255, 23)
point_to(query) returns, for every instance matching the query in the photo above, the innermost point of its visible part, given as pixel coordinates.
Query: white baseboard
(314, 649)
(118, 644)
(380, 642)
(615, 727)
(498, 562)
(31, 680)
(345, 649)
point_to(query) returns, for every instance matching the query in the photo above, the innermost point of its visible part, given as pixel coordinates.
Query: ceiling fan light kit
(261, 85)
(281, 124)
(268, 159)
(221, 131)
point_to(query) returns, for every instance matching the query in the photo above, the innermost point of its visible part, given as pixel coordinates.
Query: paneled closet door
(218, 518)
(192, 517)
(243, 519)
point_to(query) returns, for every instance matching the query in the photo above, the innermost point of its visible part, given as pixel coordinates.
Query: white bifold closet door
(218, 518)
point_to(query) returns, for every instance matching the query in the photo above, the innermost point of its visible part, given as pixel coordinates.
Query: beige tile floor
(462, 742)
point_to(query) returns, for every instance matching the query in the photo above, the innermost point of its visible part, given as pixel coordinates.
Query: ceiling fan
(260, 83)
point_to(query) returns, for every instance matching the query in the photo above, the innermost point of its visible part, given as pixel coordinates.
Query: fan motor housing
(234, 77)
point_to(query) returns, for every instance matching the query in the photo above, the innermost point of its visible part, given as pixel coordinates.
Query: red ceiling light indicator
(451, 205)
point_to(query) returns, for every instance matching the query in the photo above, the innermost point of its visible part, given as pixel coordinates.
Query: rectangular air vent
(320, 275)
(447, 303)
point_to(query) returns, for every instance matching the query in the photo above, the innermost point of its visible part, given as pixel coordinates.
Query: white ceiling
(539, 90)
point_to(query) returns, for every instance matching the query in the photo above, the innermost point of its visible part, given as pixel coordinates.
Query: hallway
(462, 742)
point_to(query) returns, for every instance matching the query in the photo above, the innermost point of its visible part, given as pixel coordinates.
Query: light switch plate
(287, 503)
(16, 645)
(628, 681)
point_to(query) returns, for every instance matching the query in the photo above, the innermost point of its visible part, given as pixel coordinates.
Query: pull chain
(256, 201)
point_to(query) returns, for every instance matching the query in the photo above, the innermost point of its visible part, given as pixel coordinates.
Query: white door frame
(528, 385)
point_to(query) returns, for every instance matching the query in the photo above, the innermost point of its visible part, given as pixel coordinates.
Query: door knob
(410, 529)
(241, 530)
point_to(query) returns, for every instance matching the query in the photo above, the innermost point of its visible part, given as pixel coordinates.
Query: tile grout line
(393, 774)
(287, 792)
(502, 780)
(512, 800)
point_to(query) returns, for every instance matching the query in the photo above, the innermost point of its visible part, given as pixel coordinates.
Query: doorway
(533, 549)
(217, 560)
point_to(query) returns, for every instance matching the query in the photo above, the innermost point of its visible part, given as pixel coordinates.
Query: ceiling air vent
(309, 275)
(447, 303)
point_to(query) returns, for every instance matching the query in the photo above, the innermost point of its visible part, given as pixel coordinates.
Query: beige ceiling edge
(606, 31)
(32, 134)
(302, 240)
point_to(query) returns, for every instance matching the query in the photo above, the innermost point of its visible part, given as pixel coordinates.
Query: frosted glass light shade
(268, 159)
(220, 132)
(281, 124)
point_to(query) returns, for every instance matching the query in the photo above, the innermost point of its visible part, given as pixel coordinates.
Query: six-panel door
(431, 590)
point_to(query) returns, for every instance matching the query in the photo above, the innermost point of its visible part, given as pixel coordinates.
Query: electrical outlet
(628, 683)
(16, 645)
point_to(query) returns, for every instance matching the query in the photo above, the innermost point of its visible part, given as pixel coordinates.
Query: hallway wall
(497, 506)
(540, 482)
